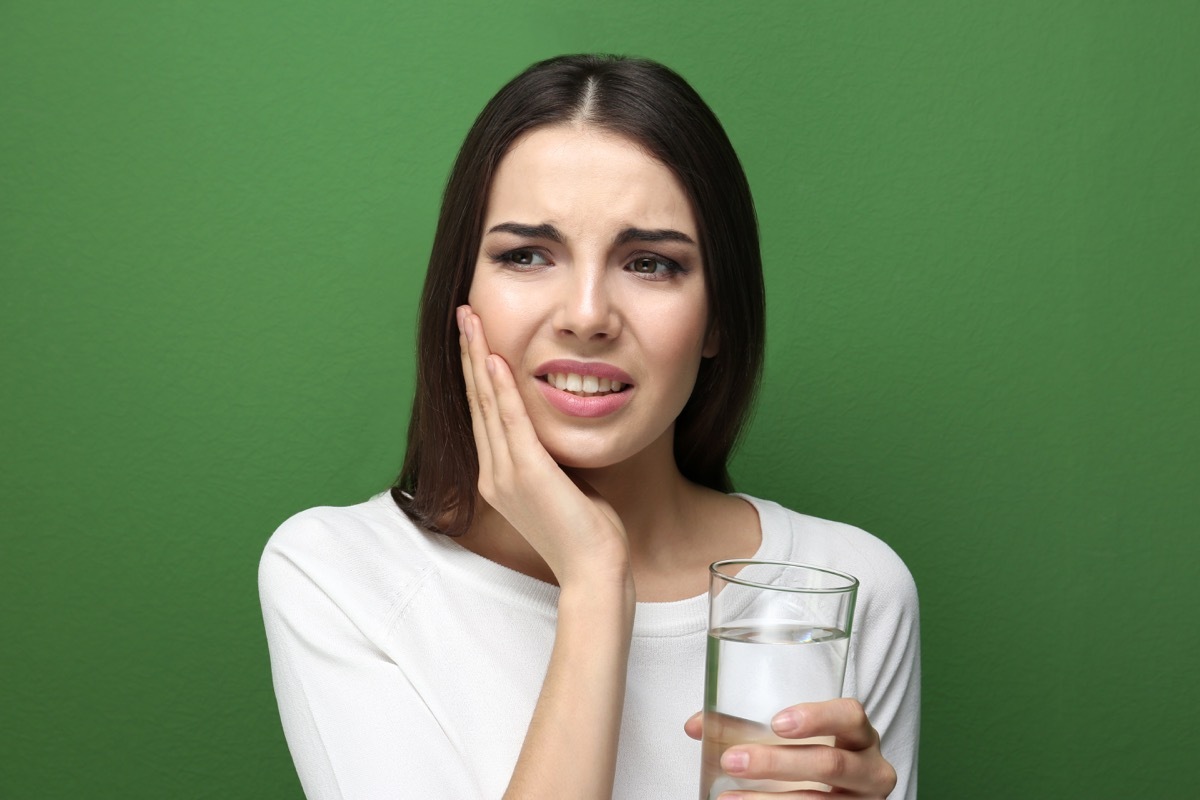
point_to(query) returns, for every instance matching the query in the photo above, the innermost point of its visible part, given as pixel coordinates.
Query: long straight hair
(651, 105)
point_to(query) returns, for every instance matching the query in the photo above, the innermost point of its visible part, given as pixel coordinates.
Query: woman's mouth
(584, 388)
(583, 385)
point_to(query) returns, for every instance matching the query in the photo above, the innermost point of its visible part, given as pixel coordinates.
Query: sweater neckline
(651, 619)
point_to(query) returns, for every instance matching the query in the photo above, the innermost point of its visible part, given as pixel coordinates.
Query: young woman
(523, 615)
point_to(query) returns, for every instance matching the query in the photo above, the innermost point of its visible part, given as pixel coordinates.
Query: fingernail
(786, 722)
(735, 760)
(469, 329)
(490, 361)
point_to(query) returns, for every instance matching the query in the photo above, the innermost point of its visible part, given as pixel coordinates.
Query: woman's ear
(712, 342)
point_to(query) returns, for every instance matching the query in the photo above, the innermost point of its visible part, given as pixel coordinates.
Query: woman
(524, 614)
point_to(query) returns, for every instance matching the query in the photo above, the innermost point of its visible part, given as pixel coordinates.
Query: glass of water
(778, 634)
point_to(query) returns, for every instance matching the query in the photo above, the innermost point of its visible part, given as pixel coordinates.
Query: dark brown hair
(651, 105)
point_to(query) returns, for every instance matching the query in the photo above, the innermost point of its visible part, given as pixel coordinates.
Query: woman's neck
(649, 494)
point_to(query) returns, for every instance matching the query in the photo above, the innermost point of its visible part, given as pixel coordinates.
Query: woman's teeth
(583, 385)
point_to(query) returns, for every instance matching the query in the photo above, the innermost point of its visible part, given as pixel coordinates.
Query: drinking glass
(778, 634)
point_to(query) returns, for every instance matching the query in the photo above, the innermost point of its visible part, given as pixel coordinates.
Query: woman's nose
(586, 308)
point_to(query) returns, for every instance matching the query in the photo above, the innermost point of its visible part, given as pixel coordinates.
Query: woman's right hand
(570, 749)
(572, 528)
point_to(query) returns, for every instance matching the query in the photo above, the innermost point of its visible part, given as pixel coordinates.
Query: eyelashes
(670, 268)
(522, 259)
(646, 266)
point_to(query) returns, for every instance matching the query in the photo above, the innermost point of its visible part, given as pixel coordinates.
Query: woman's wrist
(599, 591)
(601, 568)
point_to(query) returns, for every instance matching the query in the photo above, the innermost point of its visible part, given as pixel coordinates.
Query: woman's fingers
(844, 719)
(835, 745)
(478, 425)
(862, 773)
(513, 423)
(500, 422)
(485, 390)
(746, 794)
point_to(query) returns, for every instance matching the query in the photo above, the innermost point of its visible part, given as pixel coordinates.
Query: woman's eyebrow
(659, 235)
(543, 231)
(551, 233)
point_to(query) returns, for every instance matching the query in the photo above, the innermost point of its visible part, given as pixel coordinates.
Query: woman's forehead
(581, 178)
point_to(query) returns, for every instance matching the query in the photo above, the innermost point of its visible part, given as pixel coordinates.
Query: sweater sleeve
(890, 668)
(884, 668)
(355, 725)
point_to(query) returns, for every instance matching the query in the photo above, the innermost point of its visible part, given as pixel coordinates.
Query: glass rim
(714, 570)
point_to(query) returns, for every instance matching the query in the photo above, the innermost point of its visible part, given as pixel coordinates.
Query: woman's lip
(573, 405)
(597, 368)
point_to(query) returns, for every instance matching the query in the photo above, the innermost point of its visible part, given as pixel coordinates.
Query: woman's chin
(593, 450)
(586, 462)
(586, 455)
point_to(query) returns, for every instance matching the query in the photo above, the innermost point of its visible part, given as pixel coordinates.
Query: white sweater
(407, 666)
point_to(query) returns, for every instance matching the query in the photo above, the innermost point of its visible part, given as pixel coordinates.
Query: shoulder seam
(401, 601)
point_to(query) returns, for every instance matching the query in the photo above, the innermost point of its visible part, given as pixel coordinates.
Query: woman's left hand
(853, 766)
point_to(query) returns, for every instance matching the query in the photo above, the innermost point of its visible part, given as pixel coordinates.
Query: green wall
(981, 236)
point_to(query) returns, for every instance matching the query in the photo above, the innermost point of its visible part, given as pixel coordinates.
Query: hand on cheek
(519, 479)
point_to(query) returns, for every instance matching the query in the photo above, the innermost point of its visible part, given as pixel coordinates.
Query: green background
(981, 241)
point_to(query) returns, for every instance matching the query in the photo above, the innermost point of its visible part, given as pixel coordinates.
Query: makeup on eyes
(525, 259)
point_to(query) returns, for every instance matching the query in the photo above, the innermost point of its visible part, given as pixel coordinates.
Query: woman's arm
(570, 749)
(355, 724)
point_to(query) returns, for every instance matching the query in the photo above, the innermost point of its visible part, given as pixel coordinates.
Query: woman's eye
(654, 267)
(524, 258)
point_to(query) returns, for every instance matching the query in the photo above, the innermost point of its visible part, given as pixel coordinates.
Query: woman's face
(589, 272)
